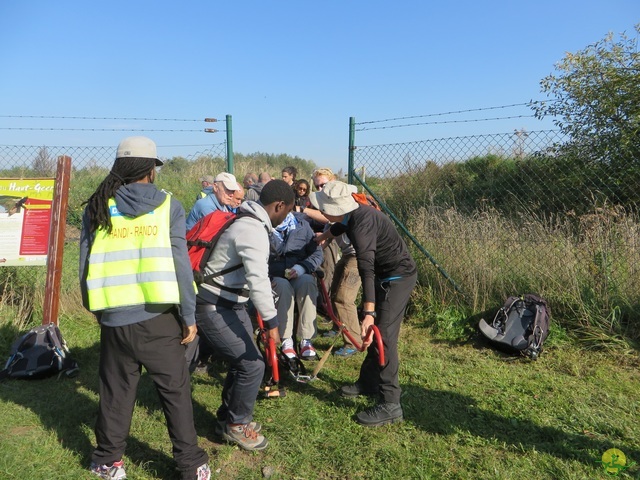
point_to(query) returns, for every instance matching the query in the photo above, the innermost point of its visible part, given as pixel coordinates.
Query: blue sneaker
(345, 351)
(330, 334)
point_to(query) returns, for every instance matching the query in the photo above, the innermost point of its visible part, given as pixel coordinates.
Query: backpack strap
(535, 347)
(224, 271)
(238, 291)
(208, 279)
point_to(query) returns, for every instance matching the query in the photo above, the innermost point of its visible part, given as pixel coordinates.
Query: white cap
(138, 147)
(228, 180)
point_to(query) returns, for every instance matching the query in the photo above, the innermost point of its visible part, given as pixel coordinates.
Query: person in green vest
(136, 278)
(207, 182)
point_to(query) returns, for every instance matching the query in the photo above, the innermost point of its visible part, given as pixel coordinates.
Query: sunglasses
(320, 186)
(302, 189)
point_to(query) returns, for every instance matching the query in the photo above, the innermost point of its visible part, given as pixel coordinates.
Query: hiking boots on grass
(382, 414)
(115, 471)
(245, 437)
(356, 390)
(218, 428)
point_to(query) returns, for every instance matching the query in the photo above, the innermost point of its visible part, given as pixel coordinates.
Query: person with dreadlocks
(136, 278)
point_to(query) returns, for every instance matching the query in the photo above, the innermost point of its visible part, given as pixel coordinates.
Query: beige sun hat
(138, 147)
(228, 180)
(334, 199)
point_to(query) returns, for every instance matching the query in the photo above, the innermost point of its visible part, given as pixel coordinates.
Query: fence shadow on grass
(458, 412)
(68, 407)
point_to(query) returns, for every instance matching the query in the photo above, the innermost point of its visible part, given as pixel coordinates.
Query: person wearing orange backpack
(389, 275)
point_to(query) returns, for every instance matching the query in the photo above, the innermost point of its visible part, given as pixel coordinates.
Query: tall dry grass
(20, 307)
(587, 266)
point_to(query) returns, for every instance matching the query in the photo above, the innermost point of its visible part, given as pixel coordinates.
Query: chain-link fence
(510, 213)
(89, 167)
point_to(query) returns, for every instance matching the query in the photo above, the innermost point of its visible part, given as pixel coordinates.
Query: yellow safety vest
(133, 265)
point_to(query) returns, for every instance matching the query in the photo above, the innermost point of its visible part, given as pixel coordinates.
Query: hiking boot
(218, 428)
(203, 472)
(287, 348)
(307, 352)
(356, 390)
(245, 437)
(382, 414)
(115, 471)
(345, 351)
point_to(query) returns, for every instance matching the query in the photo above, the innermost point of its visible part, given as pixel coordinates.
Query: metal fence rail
(89, 167)
(507, 213)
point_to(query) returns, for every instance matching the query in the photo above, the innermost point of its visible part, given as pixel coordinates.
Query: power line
(111, 118)
(445, 113)
(443, 122)
(207, 130)
(106, 146)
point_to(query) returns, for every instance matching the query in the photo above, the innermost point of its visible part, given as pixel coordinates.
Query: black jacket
(380, 250)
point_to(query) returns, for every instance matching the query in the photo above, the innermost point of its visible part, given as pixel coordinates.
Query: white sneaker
(307, 352)
(287, 348)
(203, 472)
(115, 471)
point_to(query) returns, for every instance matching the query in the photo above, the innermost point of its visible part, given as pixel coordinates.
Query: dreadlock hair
(277, 191)
(124, 171)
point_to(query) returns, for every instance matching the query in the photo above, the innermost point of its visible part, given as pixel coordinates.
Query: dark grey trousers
(154, 344)
(229, 332)
(391, 302)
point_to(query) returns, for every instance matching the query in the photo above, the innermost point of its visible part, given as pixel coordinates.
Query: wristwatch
(373, 314)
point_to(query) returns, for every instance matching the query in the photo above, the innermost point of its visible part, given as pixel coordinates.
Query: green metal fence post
(352, 140)
(230, 166)
(415, 241)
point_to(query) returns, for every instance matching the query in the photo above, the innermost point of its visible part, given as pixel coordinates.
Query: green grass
(470, 413)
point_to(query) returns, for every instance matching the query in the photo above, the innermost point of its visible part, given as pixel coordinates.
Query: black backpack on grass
(39, 353)
(520, 326)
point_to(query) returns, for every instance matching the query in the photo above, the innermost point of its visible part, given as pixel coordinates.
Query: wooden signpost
(56, 241)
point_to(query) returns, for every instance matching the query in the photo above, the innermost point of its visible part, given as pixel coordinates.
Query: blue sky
(290, 73)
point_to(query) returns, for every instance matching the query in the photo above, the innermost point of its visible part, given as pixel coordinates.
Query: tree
(595, 99)
(44, 165)
(176, 164)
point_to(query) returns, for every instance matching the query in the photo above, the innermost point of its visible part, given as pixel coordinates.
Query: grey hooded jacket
(246, 243)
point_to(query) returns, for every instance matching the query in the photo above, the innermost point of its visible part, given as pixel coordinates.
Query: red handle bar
(270, 348)
(342, 329)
